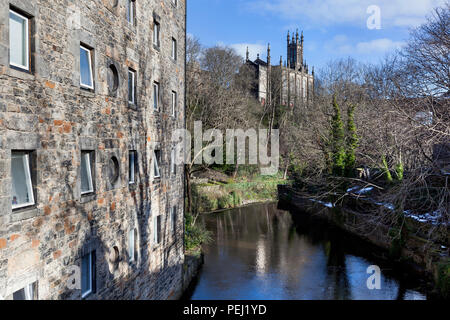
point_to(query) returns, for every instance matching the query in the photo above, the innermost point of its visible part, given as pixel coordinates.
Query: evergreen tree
(352, 142)
(337, 141)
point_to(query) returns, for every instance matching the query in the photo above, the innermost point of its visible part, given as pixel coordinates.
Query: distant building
(288, 84)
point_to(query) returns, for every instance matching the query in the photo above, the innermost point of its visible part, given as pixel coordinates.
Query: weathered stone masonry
(46, 113)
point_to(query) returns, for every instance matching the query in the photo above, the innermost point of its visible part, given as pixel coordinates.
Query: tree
(351, 142)
(337, 141)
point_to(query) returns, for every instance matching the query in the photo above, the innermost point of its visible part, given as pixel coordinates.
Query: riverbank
(210, 195)
(429, 259)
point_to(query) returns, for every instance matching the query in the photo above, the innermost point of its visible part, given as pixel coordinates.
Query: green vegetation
(337, 141)
(195, 234)
(214, 195)
(351, 142)
(387, 173)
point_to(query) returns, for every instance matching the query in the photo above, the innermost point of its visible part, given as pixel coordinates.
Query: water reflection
(261, 252)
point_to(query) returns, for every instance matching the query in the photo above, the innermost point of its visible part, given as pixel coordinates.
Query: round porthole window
(113, 79)
(114, 255)
(113, 168)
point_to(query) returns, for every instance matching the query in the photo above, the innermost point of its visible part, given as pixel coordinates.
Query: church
(287, 84)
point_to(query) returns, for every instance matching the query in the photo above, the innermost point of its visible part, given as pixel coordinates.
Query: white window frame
(29, 291)
(27, 41)
(131, 11)
(172, 161)
(89, 51)
(174, 49)
(132, 170)
(29, 183)
(132, 245)
(91, 278)
(174, 103)
(133, 86)
(156, 166)
(156, 33)
(156, 96)
(89, 169)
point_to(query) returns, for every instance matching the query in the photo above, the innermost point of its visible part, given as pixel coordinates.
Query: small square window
(174, 103)
(22, 184)
(132, 167)
(87, 181)
(156, 96)
(131, 11)
(26, 293)
(19, 41)
(174, 49)
(87, 274)
(157, 229)
(131, 86)
(156, 33)
(86, 71)
(156, 162)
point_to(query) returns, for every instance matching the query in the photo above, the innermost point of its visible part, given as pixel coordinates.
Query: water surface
(261, 252)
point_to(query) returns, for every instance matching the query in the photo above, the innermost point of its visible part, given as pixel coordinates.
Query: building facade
(91, 198)
(289, 83)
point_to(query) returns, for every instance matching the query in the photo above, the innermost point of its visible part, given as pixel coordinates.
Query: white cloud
(328, 12)
(378, 46)
(253, 49)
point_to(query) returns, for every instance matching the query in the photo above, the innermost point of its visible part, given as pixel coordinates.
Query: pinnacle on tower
(302, 38)
(296, 36)
(288, 37)
(247, 55)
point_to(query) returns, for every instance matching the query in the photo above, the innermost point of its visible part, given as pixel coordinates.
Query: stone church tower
(286, 84)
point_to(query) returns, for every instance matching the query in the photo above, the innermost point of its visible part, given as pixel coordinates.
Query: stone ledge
(24, 214)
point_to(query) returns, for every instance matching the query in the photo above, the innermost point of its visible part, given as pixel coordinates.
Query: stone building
(288, 84)
(91, 200)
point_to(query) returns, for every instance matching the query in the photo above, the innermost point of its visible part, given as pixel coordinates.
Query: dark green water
(261, 252)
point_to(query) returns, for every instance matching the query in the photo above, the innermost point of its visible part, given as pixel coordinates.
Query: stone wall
(45, 112)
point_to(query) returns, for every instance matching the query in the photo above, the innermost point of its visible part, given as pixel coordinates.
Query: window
(26, 293)
(174, 49)
(173, 167)
(175, 2)
(86, 78)
(156, 95)
(132, 245)
(156, 32)
(19, 40)
(132, 168)
(174, 218)
(156, 161)
(131, 11)
(131, 86)
(157, 229)
(22, 185)
(174, 103)
(87, 274)
(87, 185)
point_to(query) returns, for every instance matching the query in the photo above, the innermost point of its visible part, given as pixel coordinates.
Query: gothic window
(26, 293)
(156, 95)
(156, 33)
(87, 274)
(156, 162)
(87, 182)
(131, 86)
(174, 103)
(132, 167)
(174, 49)
(132, 245)
(131, 11)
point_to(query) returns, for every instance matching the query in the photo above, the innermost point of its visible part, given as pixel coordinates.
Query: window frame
(32, 287)
(132, 171)
(91, 274)
(131, 12)
(156, 33)
(27, 38)
(133, 86)
(90, 58)
(174, 49)
(156, 165)
(174, 103)
(28, 177)
(90, 174)
(156, 96)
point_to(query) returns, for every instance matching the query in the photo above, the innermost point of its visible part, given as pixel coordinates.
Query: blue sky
(332, 28)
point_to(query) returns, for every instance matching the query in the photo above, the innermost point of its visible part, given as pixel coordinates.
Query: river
(261, 252)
